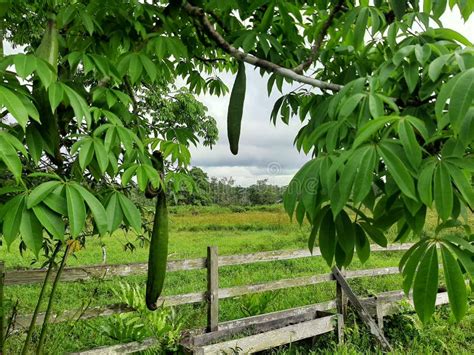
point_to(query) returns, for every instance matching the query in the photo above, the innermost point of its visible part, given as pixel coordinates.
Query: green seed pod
(49, 47)
(158, 255)
(236, 107)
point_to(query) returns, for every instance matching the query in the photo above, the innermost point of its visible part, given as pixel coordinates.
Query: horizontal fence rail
(23, 277)
(223, 293)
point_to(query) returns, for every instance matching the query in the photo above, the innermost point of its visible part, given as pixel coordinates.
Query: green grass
(192, 230)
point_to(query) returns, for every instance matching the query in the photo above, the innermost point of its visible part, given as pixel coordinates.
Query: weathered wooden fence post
(341, 306)
(361, 310)
(2, 308)
(212, 289)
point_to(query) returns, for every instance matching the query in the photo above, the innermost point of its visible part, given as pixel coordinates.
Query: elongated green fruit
(236, 107)
(49, 47)
(158, 254)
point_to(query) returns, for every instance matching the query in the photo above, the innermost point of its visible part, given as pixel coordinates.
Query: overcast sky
(266, 151)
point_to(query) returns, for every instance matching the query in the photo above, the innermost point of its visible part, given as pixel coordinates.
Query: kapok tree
(386, 103)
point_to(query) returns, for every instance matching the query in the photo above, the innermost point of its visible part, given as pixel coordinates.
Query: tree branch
(319, 40)
(199, 13)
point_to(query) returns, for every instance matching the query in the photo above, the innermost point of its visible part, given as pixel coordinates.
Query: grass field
(258, 229)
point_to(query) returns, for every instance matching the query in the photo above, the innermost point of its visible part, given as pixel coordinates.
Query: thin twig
(47, 315)
(207, 26)
(319, 40)
(40, 298)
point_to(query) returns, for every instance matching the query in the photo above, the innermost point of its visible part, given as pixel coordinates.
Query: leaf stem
(40, 298)
(47, 315)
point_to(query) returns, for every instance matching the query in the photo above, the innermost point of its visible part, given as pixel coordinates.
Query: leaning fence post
(379, 312)
(212, 289)
(2, 308)
(341, 306)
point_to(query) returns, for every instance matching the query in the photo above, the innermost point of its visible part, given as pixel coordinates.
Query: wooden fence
(211, 296)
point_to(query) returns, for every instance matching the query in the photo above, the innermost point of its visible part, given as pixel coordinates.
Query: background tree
(386, 106)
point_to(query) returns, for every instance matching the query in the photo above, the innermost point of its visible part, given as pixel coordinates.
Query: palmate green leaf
(435, 67)
(425, 287)
(376, 106)
(443, 191)
(45, 72)
(370, 128)
(375, 234)
(350, 104)
(56, 201)
(101, 155)
(327, 237)
(362, 244)
(135, 67)
(24, 65)
(55, 95)
(78, 104)
(462, 183)
(295, 186)
(346, 181)
(449, 34)
(149, 66)
(128, 174)
(345, 234)
(443, 96)
(51, 221)
(12, 210)
(410, 72)
(461, 99)
(9, 155)
(76, 210)
(461, 242)
(455, 284)
(364, 177)
(465, 257)
(360, 26)
(114, 212)
(31, 231)
(397, 170)
(410, 265)
(34, 142)
(98, 211)
(131, 213)
(41, 192)
(422, 53)
(14, 105)
(316, 224)
(86, 153)
(409, 143)
(142, 178)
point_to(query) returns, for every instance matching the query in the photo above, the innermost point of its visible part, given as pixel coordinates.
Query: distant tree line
(225, 192)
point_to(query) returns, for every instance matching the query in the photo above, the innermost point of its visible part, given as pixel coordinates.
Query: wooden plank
(268, 256)
(341, 308)
(196, 297)
(212, 289)
(340, 329)
(271, 339)
(21, 277)
(241, 324)
(301, 281)
(274, 285)
(120, 348)
(361, 310)
(260, 323)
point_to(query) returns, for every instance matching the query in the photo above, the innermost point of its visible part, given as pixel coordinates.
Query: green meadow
(246, 231)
